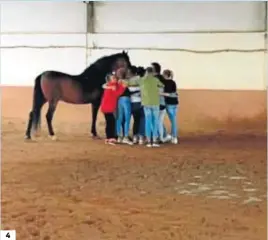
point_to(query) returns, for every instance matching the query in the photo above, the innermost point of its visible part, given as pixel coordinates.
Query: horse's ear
(125, 52)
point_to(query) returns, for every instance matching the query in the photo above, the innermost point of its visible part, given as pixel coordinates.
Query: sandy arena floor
(206, 188)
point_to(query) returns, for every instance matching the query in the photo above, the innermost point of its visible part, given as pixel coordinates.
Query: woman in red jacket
(113, 89)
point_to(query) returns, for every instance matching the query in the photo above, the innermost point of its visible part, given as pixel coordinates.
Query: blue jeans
(165, 132)
(161, 127)
(123, 114)
(172, 115)
(151, 122)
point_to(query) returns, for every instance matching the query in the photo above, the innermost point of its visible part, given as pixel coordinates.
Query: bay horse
(86, 88)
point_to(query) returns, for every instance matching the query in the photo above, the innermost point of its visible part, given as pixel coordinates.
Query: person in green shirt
(150, 99)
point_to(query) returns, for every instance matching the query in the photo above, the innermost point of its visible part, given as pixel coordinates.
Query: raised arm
(133, 83)
(159, 83)
(172, 92)
(105, 86)
(171, 95)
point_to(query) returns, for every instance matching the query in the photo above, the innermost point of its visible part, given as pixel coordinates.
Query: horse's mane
(102, 65)
(95, 75)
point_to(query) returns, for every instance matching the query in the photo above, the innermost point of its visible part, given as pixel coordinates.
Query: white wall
(19, 66)
(179, 16)
(266, 17)
(226, 70)
(62, 27)
(265, 70)
(32, 17)
(39, 25)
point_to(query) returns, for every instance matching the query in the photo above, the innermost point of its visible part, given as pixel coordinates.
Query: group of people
(145, 94)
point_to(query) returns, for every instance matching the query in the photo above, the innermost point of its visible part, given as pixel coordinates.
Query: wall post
(90, 22)
(265, 68)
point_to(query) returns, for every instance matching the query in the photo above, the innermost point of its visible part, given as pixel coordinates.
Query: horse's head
(95, 75)
(108, 64)
(120, 60)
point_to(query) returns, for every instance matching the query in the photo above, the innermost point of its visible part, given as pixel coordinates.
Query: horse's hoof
(54, 138)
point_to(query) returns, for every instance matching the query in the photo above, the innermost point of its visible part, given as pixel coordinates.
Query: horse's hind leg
(37, 119)
(49, 116)
(95, 109)
(34, 121)
(29, 126)
(38, 101)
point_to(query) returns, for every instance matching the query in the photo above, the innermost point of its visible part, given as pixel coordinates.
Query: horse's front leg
(95, 109)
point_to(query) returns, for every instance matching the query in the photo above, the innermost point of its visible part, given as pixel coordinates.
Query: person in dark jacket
(171, 99)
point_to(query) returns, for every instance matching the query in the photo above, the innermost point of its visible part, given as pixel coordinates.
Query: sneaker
(141, 142)
(149, 145)
(135, 140)
(127, 141)
(110, 141)
(155, 144)
(174, 140)
(119, 140)
(168, 138)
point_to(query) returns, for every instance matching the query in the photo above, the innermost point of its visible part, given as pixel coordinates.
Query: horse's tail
(38, 102)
